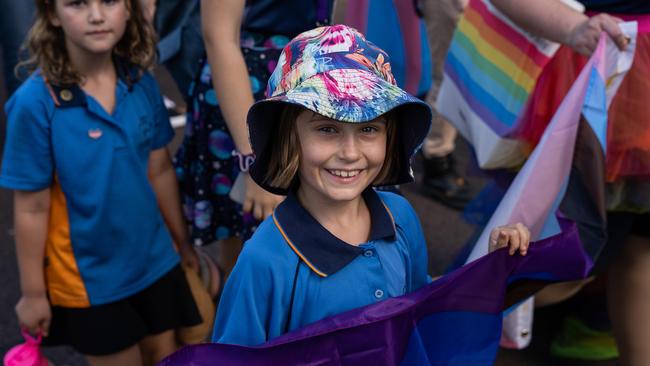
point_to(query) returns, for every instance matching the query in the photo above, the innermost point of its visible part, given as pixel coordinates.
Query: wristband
(244, 160)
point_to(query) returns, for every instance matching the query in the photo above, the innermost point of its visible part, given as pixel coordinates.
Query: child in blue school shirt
(95, 192)
(334, 126)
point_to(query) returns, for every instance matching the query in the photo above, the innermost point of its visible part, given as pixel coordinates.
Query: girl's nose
(349, 149)
(95, 12)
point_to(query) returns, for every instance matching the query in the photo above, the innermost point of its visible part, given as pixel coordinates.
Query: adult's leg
(128, 357)
(440, 179)
(440, 18)
(158, 346)
(629, 301)
(559, 292)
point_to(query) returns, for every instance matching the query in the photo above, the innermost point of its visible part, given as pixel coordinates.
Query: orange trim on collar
(52, 94)
(277, 224)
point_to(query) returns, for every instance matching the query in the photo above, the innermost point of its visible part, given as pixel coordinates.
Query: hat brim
(353, 97)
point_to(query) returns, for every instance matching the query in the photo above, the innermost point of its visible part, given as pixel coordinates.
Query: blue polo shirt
(291, 251)
(106, 238)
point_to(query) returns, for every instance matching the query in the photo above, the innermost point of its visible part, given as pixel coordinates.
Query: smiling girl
(94, 187)
(334, 126)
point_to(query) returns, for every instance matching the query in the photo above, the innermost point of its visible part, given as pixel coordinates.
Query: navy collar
(323, 252)
(71, 95)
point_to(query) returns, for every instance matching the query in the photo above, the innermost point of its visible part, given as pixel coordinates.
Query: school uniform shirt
(106, 237)
(292, 252)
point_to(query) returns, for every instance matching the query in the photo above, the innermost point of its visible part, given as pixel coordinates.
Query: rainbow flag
(490, 72)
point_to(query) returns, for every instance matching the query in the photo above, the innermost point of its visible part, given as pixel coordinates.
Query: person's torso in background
(618, 6)
(285, 17)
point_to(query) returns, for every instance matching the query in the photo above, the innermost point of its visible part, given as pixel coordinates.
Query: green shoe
(577, 341)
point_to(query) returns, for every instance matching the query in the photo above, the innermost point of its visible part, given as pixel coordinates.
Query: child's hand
(516, 236)
(34, 314)
(189, 258)
(258, 201)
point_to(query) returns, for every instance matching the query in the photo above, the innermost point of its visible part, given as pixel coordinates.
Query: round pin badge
(95, 133)
(66, 95)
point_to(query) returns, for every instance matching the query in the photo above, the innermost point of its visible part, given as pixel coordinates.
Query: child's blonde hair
(284, 160)
(47, 51)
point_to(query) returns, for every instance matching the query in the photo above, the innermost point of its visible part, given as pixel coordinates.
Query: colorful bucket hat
(336, 72)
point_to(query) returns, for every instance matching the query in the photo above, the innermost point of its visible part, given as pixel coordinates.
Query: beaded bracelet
(244, 160)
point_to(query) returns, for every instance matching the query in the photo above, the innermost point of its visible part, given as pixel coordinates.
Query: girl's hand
(516, 236)
(258, 200)
(583, 38)
(34, 314)
(189, 258)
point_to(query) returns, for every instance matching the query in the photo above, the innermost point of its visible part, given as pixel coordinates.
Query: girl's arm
(31, 211)
(552, 19)
(163, 181)
(221, 22)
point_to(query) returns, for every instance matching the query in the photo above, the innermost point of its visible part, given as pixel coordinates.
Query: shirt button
(368, 253)
(379, 293)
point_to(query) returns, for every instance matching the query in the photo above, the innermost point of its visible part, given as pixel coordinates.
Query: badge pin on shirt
(95, 133)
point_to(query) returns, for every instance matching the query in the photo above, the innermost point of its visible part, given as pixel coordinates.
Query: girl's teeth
(344, 173)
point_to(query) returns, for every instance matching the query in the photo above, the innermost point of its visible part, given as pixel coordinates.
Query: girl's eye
(76, 3)
(369, 129)
(327, 129)
(111, 2)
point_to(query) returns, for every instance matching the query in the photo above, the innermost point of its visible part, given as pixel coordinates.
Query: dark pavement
(445, 231)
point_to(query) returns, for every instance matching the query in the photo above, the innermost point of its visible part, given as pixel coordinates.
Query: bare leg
(158, 346)
(559, 292)
(128, 357)
(440, 18)
(629, 301)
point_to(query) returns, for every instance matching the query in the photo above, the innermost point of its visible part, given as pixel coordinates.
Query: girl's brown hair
(284, 160)
(47, 51)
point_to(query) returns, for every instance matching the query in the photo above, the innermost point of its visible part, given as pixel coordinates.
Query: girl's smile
(338, 160)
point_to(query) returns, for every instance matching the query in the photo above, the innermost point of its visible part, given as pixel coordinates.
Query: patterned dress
(205, 166)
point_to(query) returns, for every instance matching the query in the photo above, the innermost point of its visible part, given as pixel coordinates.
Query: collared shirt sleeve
(163, 131)
(27, 163)
(251, 310)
